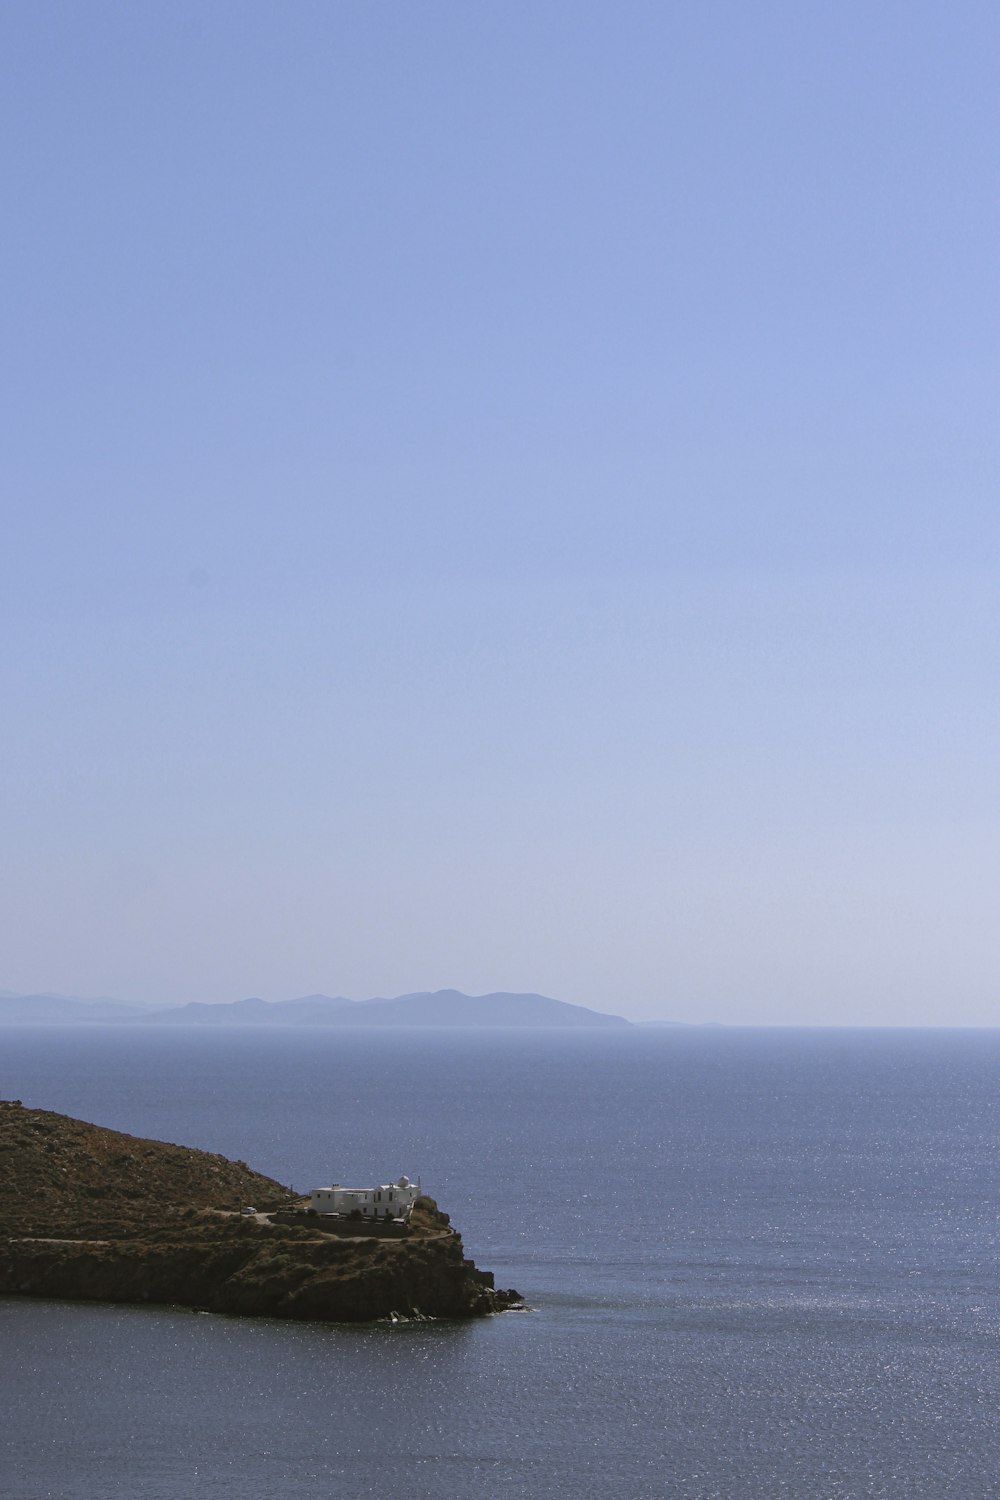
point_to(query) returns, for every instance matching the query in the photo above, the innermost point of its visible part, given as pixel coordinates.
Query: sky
(503, 496)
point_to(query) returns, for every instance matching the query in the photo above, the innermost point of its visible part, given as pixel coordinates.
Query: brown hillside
(61, 1176)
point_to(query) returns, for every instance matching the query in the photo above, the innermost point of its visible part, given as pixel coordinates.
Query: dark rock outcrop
(95, 1214)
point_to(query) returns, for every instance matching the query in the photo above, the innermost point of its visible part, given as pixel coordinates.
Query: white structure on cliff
(391, 1200)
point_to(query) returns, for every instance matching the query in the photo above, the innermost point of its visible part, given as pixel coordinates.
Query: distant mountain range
(58, 1010)
(423, 1008)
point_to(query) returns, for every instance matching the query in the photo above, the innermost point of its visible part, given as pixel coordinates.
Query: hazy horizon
(606, 1008)
(503, 498)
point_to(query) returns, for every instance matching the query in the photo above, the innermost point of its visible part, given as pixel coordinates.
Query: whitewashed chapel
(391, 1200)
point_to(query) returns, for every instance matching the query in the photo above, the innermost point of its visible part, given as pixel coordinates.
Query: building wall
(390, 1200)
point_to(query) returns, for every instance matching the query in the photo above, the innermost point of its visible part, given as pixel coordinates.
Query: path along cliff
(92, 1213)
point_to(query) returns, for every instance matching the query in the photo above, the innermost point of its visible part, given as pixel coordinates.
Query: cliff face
(91, 1213)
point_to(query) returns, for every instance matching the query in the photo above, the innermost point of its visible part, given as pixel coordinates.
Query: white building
(391, 1200)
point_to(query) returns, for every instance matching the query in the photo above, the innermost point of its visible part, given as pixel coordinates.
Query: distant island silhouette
(424, 1008)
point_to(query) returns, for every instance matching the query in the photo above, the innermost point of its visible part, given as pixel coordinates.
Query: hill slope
(58, 1172)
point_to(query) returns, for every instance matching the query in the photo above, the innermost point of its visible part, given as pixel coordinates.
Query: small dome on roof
(403, 1182)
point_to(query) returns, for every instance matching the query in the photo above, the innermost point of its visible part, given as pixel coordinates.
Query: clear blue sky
(503, 495)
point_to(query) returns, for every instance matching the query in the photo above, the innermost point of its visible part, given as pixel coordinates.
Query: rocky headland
(94, 1214)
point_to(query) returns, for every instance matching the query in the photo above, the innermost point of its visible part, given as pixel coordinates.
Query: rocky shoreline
(88, 1213)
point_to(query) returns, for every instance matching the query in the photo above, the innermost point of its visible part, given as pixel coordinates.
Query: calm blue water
(759, 1264)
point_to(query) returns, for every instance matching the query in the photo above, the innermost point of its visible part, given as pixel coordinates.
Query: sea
(756, 1264)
